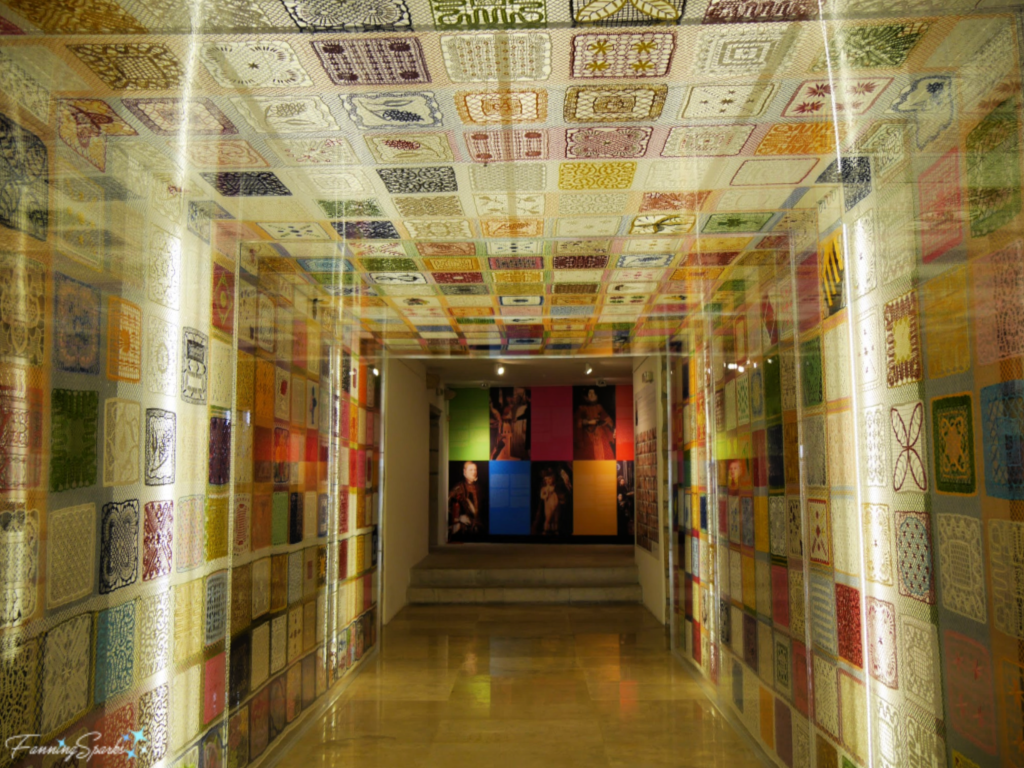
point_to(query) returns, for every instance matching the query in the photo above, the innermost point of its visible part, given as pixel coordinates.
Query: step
(598, 593)
(524, 577)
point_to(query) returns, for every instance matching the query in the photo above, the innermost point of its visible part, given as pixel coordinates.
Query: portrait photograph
(593, 426)
(467, 500)
(624, 495)
(510, 423)
(551, 498)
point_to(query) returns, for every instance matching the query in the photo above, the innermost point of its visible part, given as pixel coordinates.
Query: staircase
(525, 574)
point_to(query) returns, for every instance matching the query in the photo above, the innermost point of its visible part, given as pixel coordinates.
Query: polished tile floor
(526, 686)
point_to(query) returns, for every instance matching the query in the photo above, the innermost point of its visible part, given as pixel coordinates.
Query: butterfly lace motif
(909, 461)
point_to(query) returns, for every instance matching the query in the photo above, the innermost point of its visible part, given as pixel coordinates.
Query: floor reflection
(526, 685)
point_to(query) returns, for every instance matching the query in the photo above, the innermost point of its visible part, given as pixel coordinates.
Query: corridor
(317, 316)
(531, 685)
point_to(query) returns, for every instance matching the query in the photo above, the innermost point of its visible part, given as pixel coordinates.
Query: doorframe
(434, 469)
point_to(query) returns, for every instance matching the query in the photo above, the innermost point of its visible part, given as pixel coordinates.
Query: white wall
(652, 565)
(441, 522)
(406, 477)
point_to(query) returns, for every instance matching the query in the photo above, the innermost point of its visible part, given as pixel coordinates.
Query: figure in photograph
(510, 424)
(282, 455)
(593, 428)
(624, 495)
(551, 492)
(467, 500)
(738, 474)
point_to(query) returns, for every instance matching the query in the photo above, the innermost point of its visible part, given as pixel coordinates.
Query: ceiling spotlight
(732, 366)
(589, 370)
(501, 370)
(376, 372)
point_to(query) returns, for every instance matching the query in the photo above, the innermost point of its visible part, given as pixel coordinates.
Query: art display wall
(188, 490)
(848, 423)
(541, 464)
(647, 390)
